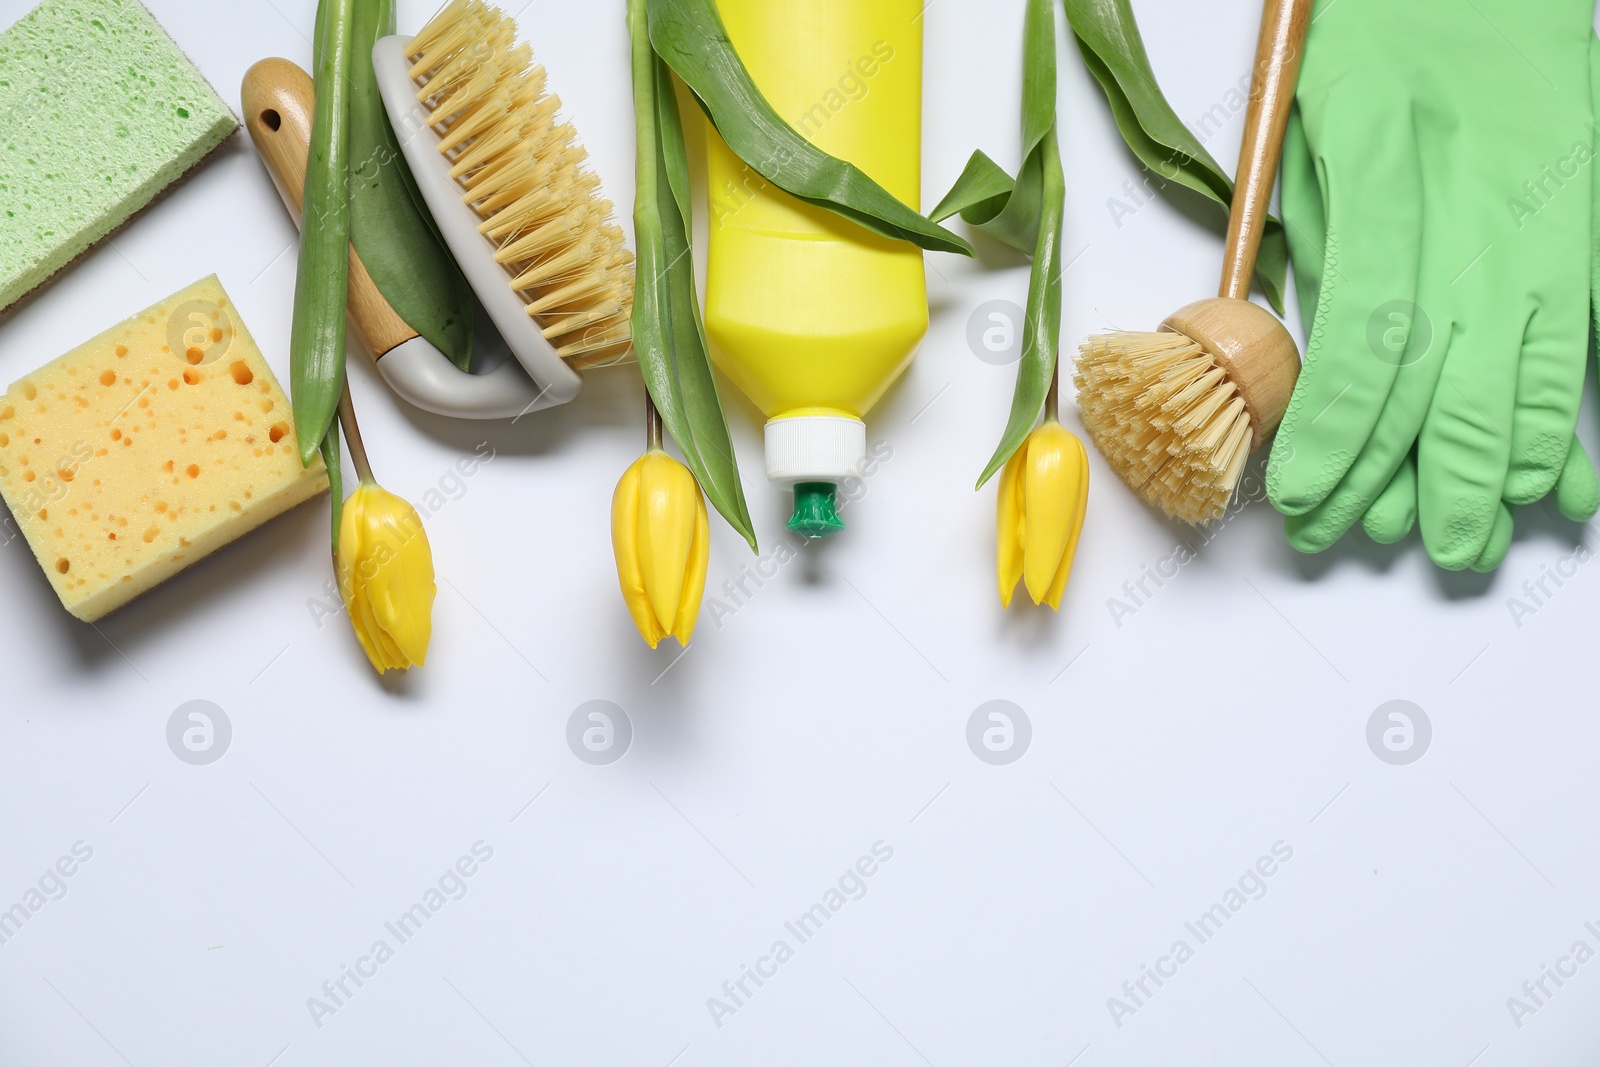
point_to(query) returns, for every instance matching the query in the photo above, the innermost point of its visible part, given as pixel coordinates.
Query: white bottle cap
(815, 448)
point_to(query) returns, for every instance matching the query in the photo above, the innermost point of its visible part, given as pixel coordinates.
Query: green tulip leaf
(1026, 213)
(317, 334)
(690, 37)
(396, 238)
(668, 332)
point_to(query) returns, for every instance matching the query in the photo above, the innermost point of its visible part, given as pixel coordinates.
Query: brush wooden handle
(279, 99)
(1278, 54)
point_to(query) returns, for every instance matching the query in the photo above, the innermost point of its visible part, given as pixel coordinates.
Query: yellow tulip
(385, 572)
(662, 540)
(1044, 491)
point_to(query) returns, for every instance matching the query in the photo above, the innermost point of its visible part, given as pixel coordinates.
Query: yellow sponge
(148, 448)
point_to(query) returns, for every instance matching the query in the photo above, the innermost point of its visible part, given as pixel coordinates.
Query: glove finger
(1390, 518)
(1418, 348)
(1394, 514)
(1494, 552)
(1555, 351)
(1304, 535)
(1555, 348)
(1578, 489)
(1387, 450)
(1594, 189)
(1464, 450)
(1302, 203)
(1369, 279)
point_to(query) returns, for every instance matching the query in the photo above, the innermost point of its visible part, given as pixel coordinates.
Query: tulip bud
(385, 570)
(1044, 491)
(662, 539)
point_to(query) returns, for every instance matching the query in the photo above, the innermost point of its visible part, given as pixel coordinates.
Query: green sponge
(99, 114)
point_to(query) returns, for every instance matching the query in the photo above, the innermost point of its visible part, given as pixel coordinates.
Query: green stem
(352, 437)
(330, 461)
(652, 424)
(1052, 399)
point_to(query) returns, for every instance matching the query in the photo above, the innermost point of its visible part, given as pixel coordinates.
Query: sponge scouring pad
(100, 113)
(133, 456)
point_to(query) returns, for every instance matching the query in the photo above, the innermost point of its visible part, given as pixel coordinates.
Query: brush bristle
(527, 177)
(1169, 422)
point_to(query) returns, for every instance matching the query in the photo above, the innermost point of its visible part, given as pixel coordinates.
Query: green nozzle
(815, 513)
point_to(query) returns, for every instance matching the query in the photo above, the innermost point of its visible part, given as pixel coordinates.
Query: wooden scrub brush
(509, 186)
(1177, 413)
(279, 99)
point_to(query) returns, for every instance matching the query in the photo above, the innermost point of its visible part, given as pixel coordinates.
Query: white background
(827, 713)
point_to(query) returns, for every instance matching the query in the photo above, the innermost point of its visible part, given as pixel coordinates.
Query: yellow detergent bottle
(812, 316)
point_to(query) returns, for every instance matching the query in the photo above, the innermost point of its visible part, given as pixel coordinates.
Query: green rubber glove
(1442, 315)
(1393, 515)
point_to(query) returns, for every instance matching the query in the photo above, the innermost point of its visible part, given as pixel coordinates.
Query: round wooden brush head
(1177, 413)
(1254, 350)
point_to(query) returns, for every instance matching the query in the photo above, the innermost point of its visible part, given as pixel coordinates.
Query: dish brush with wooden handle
(1177, 413)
